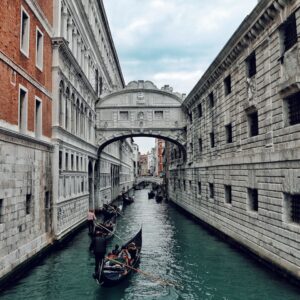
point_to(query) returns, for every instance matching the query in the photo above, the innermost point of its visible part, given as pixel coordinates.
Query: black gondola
(127, 199)
(159, 197)
(112, 272)
(107, 228)
(151, 194)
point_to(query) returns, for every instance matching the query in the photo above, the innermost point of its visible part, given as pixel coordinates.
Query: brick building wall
(25, 151)
(242, 170)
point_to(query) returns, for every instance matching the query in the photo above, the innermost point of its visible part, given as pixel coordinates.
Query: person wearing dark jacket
(99, 248)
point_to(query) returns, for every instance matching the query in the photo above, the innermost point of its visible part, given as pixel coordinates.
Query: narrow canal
(174, 248)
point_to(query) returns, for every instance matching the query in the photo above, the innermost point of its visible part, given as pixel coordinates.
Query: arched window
(77, 122)
(61, 102)
(81, 119)
(67, 109)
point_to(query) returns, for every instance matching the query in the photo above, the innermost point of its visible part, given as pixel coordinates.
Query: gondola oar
(158, 279)
(98, 224)
(117, 212)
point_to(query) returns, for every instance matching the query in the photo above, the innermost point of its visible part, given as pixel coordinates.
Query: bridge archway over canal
(141, 110)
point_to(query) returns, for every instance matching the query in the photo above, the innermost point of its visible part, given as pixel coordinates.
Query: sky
(172, 41)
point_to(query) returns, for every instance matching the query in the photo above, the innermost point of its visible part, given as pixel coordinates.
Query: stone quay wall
(242, 170)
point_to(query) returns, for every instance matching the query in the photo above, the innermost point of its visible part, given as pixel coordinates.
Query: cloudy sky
(172, 41)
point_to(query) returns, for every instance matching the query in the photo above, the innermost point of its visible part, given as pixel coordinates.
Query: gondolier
(90, 218)
(99, 248)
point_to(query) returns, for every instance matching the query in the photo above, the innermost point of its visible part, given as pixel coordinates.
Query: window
(212, 139)
(67, 162)
(24, 34)
(1, 211)
(184, 185)
(251, 65)
(253, 123)
(39, 59)
(199, 188)
(292, 208)
(227, 85)
(72, 162)
(191, 148)
(158, 115)
(199, 109)
(82, 186)
(228, 131)
(60, 160)
(293, 107)
(124, 115)
(23, 98)
(38, 118)
(200, 145)
(211, 100)
(228, 197)
(77, 163)
(289, 33)
(211, 190)
(28, 204)
(253, 199)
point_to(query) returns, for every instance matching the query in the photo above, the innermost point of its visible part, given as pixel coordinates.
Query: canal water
(175, 248)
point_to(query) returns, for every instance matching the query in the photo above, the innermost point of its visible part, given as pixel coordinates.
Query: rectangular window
(28, 204)
(228, 129)
(39, 59)
(293, 105)
(292, 208)
(1, 211)
(251, 65)
(199, 109)
(23, 98)
(67, 162)
(212, 139)
(24, 34)
(253, 199)
(191, 148)
(158, 115)
(124, 116)
(199, 188)
(227, 85)
(211, 190)
(200, 145)
(184, 185)
(60, 160)
(82, 186)
(253, 124)
(38, 118)
(228, 197)
(72, 162)
(77, 163)
(289, 32)
(211, 100)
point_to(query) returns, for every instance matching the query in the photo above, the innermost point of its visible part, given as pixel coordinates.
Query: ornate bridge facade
(141, 109)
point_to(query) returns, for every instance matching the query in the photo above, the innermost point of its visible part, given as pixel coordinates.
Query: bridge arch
(141, 110)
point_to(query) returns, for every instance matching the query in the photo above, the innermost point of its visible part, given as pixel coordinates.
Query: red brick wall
(47, 8)
(10, 46)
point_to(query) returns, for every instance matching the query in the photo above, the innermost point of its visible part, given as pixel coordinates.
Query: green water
(174, 248)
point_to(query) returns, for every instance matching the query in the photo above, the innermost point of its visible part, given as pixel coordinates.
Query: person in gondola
(132, 251)
(116, 250)
(124, 254)
(90, 218)
(99, 248)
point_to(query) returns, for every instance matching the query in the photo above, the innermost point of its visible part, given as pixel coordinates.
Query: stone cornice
(62, 44)
(264, 13)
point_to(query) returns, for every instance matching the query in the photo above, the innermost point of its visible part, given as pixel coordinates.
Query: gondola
(159, 197)
(127, 200)
(151, 194)
(107, 234)
(111, 272)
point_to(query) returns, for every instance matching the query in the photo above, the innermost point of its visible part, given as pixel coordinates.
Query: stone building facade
(242, 170)
(25, 130)
(85, 66)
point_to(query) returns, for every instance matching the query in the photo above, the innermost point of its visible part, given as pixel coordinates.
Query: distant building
(151, 161)
(143, 165)
(159, 147)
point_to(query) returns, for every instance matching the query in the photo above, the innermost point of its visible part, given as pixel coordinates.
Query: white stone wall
(268, 162)
(25, 169)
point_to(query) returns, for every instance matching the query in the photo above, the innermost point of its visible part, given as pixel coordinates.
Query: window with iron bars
(253, 199)
(251, 65)
(294, 109)
(253, 123)
(295, 209)
(289, 32)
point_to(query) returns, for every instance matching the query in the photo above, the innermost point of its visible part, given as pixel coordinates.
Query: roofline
(115, 54)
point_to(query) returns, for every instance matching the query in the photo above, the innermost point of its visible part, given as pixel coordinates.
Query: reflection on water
(174, 248)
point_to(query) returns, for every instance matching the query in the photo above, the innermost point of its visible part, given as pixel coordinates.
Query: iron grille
(294, 109)
(290, 32)
(295, 208)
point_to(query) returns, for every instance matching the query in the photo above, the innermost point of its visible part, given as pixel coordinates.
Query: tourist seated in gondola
(132, 250)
